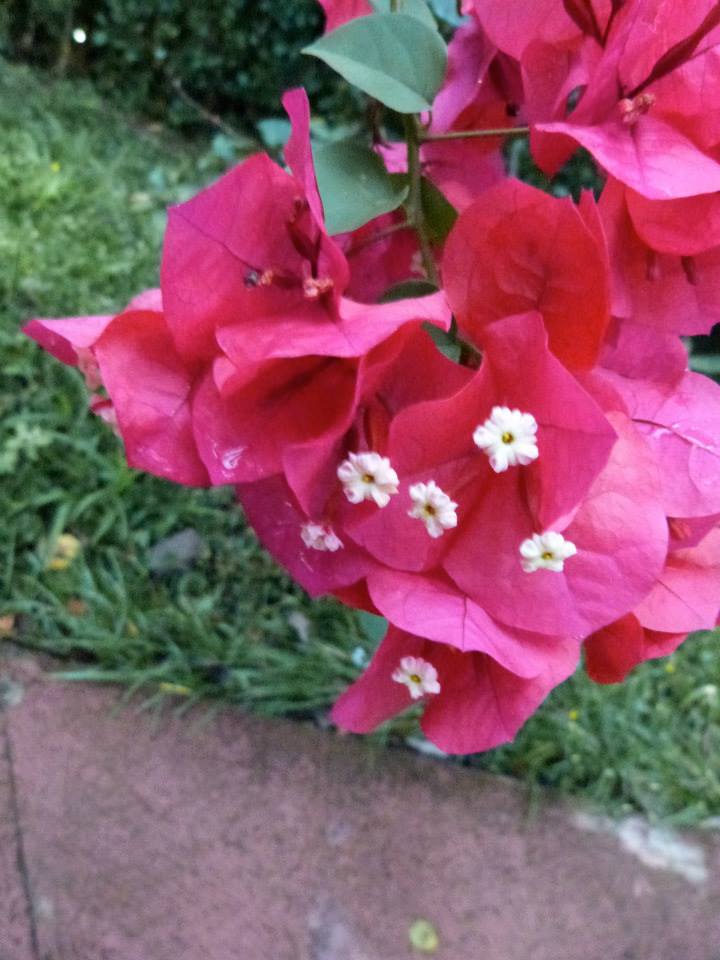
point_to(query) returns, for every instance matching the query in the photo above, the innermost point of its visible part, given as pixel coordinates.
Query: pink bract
(480, 704)
(611, 653)
(437, 609)
(67, 337)
(242, 433)
(619, 530)
(663, 224)
(286, 363)
(380, 259)
(338, 12)
(149, 386)
(517, 249)
(680, 421)
(685, 597)
(248, 267)
(513, 28)
(433, 440)
(628, 115)
(277, 518)
(671, 293)
(229, 254)
(651, 157)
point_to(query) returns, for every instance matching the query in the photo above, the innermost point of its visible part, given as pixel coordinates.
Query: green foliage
(396, 58)
(707, 363)
(579, 173)
(651, 743)
(82, 198)
(447, 12)
(82, 210)
(438, 213)
(372, 626)
(233, 56)
(354, 185)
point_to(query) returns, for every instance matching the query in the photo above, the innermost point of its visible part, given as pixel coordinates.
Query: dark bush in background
(235, 57)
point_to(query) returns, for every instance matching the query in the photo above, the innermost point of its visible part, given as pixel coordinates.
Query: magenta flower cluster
(553, 487)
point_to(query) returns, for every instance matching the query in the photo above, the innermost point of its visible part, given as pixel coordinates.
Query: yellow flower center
(507, 437)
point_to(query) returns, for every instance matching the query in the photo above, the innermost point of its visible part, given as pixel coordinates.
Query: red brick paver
(247, 839)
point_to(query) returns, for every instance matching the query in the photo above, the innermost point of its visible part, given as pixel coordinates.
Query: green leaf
(372, 626)
(705, 363)
(413, 8)
(408, 288)
(274, 132)
(393, 57)
(440, 215)
(354, 185)
(446, 344)
(224, 147)
(447, 10)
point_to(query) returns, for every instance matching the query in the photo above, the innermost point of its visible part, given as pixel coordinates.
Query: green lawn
(82, 197)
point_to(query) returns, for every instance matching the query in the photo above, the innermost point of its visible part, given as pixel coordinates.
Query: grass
(82, 197)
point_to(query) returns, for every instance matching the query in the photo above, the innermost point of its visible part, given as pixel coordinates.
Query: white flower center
(368, 476)
(508, 437)
(320, 536)
(632, 109)
(546, 551)
(433, 507)
(315, 287)
(419, 676)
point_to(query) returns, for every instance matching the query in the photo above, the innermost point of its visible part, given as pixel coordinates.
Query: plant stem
(211, 118)
(470, 356)
(379, 235)
(416, 215)
(466, 134)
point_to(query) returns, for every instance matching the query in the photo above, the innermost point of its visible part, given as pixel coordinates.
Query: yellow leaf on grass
(423, 936)
(66, 549)
(177, 688)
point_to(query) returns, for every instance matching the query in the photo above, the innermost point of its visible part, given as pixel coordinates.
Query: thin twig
(416, 215)
(379, 235)
(212, 118)
(467, 134)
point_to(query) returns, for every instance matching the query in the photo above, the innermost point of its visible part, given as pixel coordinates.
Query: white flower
(508, 437)
(546, 551)
(320, 536)
(419, 676)
(368, 476)
(433, 507)
(314, 288)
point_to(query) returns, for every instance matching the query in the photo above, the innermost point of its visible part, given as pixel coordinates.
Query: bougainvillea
(466, 405)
